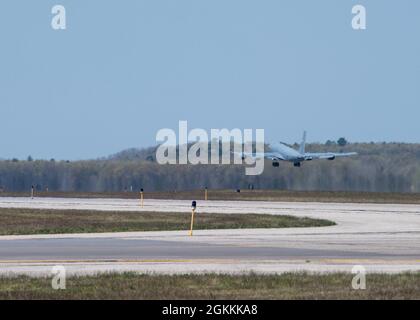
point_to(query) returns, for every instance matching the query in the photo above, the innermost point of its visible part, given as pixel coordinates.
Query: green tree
(330, 143)
(342, 142)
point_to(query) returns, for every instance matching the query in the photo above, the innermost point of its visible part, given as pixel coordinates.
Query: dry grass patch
(213, 286)
(40, 221)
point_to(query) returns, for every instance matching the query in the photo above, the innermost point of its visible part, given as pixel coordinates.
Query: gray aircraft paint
(282, 152)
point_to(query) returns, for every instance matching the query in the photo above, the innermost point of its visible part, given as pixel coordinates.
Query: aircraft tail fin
(302, 145)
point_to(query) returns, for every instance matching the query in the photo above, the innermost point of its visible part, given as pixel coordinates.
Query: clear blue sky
(124, 69)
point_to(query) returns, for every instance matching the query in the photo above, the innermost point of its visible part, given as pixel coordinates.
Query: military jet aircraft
(282, 152)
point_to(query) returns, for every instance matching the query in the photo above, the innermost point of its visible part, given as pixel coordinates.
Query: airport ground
(381, 236)
(243, 195)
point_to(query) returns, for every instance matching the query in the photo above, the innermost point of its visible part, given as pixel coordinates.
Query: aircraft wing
(329, 155)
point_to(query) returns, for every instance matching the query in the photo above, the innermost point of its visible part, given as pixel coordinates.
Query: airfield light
(32, 191)
(193, 207)
(141, 198)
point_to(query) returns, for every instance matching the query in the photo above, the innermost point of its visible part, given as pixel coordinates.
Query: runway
(381, 237)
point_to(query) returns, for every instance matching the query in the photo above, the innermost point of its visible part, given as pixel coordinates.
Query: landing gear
(296, 164)
(276, 164)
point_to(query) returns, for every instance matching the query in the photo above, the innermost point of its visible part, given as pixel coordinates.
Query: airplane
(282, 152)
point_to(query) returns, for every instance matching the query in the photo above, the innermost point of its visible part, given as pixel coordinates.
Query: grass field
(212, 286)
(36, 221)
(262, 195)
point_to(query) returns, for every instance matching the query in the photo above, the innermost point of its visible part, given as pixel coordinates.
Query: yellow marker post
(193, 207)
(192, 222)
(205, 194)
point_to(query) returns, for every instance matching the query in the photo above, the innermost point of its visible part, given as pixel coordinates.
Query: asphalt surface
(138, 249)
(381, 237)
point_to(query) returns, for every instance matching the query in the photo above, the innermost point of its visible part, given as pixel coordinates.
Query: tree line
(379, 167)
